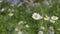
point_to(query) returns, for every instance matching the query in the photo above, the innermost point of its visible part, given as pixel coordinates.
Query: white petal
(10, 14)
(27, 26)
(40, 32)
(52, 21)
(19, 32)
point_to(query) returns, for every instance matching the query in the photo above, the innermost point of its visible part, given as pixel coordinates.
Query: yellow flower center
(36, 16)
(54, 17)
(46, 16)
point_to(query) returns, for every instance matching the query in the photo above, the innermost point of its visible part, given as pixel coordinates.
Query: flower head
(2, 9)
(10, 14)
(16, 29)
(54, 18)
(52, 21)
(20, 22)
(46, 17)
(19, 32)
(42, 27)
(40, 32)
(36, 16)
(27, 26)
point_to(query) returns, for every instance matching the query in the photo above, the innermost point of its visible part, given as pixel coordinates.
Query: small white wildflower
(36, 4)
(42, 27)
(51, 28)
(11, 10)
(46, 2)
(40, 32)
(10, 14)
(19, 32)
(20, 4)
(51, 32)
(36, 16)
(16, 29)
(54, 18)
(1, 0)
(46, 18)
(52, 21)
(20, 22)
(27, 26)
(12, 4)
(2, 9)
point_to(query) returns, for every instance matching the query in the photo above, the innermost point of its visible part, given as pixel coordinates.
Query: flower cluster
(21, 25)
(37, 16)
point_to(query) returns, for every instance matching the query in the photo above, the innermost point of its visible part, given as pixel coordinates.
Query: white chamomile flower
(46, 17)
(27, 26)
(46, 2)
(40, 32)
(36, 16)
(1, 0)
(42, 27)
(19, 32)
(54, 18)
(36, 4)
(10, 14)
(2, 9)
(20, 22)
(11, 10)
(16, 29)
(51, 32)
(52, 21)
(51, 28)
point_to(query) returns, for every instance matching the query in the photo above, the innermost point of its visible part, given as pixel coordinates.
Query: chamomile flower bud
(51, 32)
(2, 9)
(51, 28)
(40, 32)
(27, 26)
(20, 22)
(10, 14)
(52, 21)
(42, 27)
(45, 2)
(54, 18)
(19, 32)
(36, 16)
(1, 0)
(46, 17)
(16, 29)
(11, 10)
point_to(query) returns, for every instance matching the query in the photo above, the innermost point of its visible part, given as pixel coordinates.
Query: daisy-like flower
(51, 32)
(40, 32)
(27, 26)
(1, 0)
(16, 29)
(10, 14)
(52, 21)
(20, 22)
(11, 10)
(42, 27)
(19, 32)
(54, 18)
(2, 9)
(45, 2)
(46, 17)
(36, 4)
(36, 16)
(51, 28)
